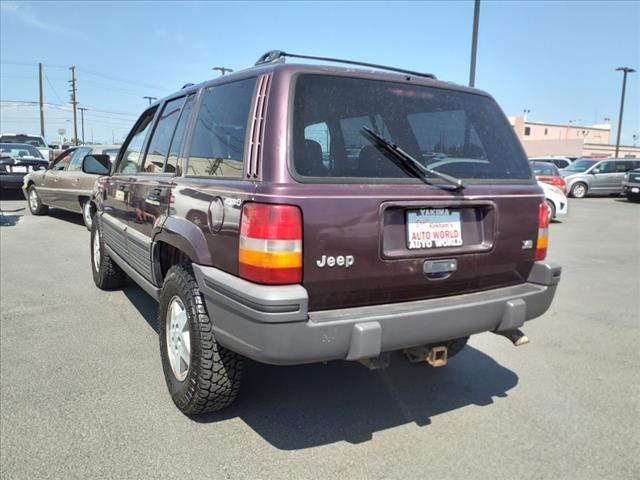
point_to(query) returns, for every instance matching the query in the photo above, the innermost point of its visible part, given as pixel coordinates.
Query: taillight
(543, 231)
(270, 243)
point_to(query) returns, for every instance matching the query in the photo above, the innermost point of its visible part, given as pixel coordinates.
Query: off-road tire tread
(42, 209)
(110, 276)
(215, 373)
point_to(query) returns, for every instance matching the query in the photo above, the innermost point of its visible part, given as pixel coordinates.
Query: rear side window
(217, 147)
(176, 143)
(132, 152)
(453, 132)
(163, 134)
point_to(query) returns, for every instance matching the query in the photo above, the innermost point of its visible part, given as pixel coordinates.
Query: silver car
(64, 185)
(597, 176)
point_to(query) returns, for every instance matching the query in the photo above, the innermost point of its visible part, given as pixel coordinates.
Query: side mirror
(595, 170)
(96, 164)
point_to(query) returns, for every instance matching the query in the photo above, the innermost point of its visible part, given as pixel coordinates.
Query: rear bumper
(13, 182)
(631, 188)
(271, 324)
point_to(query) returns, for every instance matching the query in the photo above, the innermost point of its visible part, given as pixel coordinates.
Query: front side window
(453, 132)
(217, 147)
(131, 158)
(162, 135)
(606, 167)
(75, 164)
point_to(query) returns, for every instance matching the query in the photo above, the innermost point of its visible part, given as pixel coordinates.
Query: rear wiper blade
(407, 163)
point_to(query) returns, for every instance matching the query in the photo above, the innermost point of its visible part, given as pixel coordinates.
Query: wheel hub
(96, 250)
(178, 338)
(33, 199)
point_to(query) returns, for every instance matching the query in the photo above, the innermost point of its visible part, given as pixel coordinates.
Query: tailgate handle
(438, 269)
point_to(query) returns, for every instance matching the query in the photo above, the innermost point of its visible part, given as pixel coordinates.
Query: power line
(53, 89)
(117, 79)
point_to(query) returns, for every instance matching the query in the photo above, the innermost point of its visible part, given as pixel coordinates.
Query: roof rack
(278, 56)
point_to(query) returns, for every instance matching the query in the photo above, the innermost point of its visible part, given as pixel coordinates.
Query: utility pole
(624, 87)
(82, 121)
(74, 103)
(151, 99)
(223, 70)
(474, 43)
(41, 101)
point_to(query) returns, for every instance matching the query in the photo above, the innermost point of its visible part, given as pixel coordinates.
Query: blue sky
(557, 59)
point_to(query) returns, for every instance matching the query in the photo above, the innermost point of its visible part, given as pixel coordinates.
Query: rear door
(371, 233)
(69, 182)
(150, 194)
(117, 202)
(50, 188)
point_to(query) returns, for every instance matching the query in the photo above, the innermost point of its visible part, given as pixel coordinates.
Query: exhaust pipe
(434, 356)
(515, 336)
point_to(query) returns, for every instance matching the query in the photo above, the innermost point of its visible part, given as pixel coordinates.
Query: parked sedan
(64, 185)
(549, 173)
(631, 185)
(16, 161)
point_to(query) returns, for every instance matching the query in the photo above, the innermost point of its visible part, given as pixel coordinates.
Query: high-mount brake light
(270, 248)
(543, 231)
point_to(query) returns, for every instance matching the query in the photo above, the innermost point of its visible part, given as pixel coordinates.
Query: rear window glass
(546, 169)
(217, 147)
(28, 139)
(456, 133)
(19, 151)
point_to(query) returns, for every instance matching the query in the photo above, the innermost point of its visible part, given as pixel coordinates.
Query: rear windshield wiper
(407, 163)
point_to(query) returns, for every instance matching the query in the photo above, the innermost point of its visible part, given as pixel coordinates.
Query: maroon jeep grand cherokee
(305, 213)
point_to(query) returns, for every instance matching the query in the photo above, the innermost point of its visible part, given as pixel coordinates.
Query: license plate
(635, 190)
(433, 228)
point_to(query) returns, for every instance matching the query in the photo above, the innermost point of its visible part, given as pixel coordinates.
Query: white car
(556, 200)
(35, 140)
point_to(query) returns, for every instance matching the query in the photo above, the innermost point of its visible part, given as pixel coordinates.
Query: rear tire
(87, 214)
(551, 209)
(579, 190)
(202, 376)
(36, 206)
(455, 346)
(107, 275)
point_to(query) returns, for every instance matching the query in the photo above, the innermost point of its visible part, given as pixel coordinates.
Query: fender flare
(186, 237)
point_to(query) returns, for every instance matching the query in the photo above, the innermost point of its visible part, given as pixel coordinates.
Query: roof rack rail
(278, 56)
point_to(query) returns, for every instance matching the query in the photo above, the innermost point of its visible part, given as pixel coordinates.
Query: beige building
(571, 140)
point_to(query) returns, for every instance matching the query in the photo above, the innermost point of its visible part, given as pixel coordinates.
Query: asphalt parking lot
(83, 395)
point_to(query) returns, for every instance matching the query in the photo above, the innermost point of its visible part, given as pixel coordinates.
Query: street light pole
(223, 70)
(624, 87)
(474, 43)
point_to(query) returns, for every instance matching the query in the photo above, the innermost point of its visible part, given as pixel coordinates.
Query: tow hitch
(434, 356)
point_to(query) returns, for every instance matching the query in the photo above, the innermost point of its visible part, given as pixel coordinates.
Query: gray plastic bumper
(271, 324)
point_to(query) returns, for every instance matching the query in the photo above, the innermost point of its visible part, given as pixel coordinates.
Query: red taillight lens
(270, 248)
(543, 232)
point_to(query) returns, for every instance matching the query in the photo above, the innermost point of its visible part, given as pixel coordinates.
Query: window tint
(217, 148)
(176, 143)
(130, 161)
(162, 135)
(75, 164)
(606, 167)
(457, 133)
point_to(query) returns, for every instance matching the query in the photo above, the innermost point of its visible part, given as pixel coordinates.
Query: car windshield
(581, 166)
(14, 150)
(28, 139)
(456, 133)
